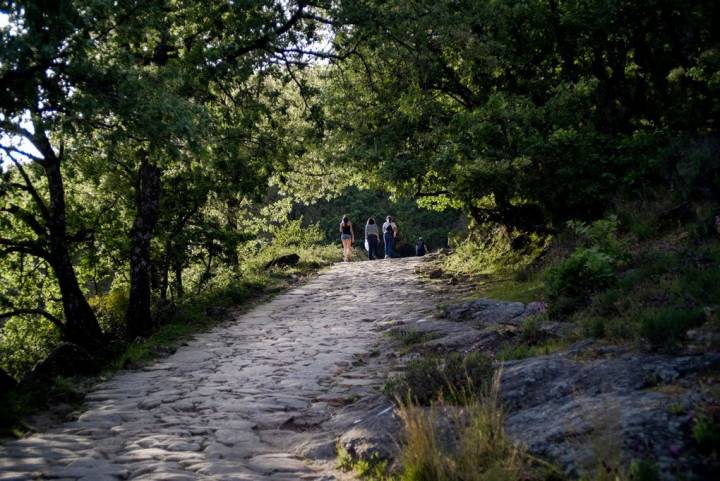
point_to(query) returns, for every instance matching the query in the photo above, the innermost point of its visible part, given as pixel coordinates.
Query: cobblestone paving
(256, 399)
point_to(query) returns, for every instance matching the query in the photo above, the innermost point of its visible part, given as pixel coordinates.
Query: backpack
(420, 248)
(390, 229)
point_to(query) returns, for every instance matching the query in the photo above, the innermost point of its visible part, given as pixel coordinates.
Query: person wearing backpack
(347, 237)
(372, 238)
(389, 229)
(420, 247)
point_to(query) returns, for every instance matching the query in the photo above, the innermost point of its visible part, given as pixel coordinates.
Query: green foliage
(667, 288)
(493, 249)
(643, 470)
(591, 267)
(666, 328)
(294, 233)
(706, 431)
(571, 282)
(23, 401)
(525, 350)
(373, 469)
(13, 406)
(24, 341)
(451, 378)
(164, 341)
(469, 116)
(110, 309)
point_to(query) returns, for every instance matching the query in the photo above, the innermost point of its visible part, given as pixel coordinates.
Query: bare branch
(15, 129)
(9, 150)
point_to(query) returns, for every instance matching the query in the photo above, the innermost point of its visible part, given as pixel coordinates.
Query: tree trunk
(165, 273)
(147, 201)
(232, 224)
(81, 326)
(177, 270)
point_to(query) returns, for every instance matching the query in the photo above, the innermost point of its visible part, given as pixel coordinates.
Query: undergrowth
(639, 275)
(373, 469)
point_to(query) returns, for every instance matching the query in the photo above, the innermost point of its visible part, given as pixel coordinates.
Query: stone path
(263, 397)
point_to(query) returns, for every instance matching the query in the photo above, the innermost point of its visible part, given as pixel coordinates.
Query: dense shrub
(293, 233)
(110, 309)
(589, 268)
(569, 283)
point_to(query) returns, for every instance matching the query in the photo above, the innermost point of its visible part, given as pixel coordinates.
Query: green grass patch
(706, 431)
(511, 352)
(514, 290)
(408, 338)
(665, 329)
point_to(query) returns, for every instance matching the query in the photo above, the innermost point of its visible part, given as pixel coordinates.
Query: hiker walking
(389, 229)
(347, 237)
(420, 247)
(372, 238)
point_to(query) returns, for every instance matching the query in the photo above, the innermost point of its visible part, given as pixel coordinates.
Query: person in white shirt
(372, 237)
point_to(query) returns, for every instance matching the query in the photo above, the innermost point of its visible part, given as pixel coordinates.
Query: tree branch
(264, 41)
(25, 247)
(318, 18)
(27, 218)
(10, 127)
(9, 150)
(4, 316)
(30, 188)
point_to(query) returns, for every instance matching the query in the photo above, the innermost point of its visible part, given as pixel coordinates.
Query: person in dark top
(347, 237)
(389, 229)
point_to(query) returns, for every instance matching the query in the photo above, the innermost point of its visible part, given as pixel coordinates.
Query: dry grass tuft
(447, 443)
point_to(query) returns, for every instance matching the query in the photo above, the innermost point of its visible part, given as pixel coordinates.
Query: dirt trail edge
(263, 397)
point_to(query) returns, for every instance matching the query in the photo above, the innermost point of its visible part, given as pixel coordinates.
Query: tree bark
(138, 318)
(164, 274)
(232, 225)
(177, 271)
(81, 326)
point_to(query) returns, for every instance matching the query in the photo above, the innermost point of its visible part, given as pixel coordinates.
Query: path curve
(250, 400)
